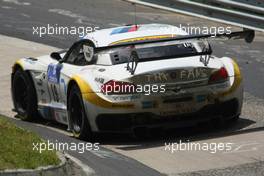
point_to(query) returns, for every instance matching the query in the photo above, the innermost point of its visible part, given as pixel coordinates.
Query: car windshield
(165, 51)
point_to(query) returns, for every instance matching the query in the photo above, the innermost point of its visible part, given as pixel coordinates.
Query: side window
(72, 56)
(76, 56)
(81, 53)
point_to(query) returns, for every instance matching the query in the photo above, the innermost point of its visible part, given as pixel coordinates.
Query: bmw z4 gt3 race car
(128, 78)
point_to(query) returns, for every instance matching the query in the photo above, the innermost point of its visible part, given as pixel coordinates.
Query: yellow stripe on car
(89, 95)
(237, 80)
(143, 38)
(18, 62)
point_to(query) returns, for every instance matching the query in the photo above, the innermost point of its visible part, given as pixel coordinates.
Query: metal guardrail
(258, 3)
(242, 13)
(257, 8)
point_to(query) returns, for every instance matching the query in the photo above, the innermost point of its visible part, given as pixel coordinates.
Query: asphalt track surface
(17, 19)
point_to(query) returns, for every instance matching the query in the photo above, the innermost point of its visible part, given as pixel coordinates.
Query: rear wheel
(24, 95)
(80, 125)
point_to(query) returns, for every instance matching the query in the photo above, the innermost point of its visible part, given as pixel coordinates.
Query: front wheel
(24, 96)
(80, 125)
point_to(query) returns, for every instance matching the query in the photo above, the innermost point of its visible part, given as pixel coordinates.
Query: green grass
(16, 148)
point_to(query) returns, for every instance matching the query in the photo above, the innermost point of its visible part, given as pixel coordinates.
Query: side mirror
(56, 56)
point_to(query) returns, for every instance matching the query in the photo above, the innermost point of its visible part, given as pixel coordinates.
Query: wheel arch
(18, 66)
(75, 82)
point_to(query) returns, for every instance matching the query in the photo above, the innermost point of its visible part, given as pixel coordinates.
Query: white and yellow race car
(131, 78)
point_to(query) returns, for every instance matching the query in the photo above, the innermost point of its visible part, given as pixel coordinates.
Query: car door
(59, 74)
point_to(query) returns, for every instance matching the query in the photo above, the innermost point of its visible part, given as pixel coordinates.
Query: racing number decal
(54, 92)
(54, 80)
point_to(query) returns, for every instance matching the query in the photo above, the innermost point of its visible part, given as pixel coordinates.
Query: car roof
(117, 35)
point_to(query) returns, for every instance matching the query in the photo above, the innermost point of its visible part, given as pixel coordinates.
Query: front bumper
(130, 121)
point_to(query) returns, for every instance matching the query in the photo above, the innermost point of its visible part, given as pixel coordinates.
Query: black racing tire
(24, 96)
(234, 119)
(80, 125)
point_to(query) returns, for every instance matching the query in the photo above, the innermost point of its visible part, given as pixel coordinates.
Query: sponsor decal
(125, 29)
(64, 86)
(54, 73)
(40, 78)
(193, 74)
(173, 75)
(157, 77)
(201, 98)
(178, 75)
(99, 80)
(55, 92)
(125, 97)
(30, 60)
